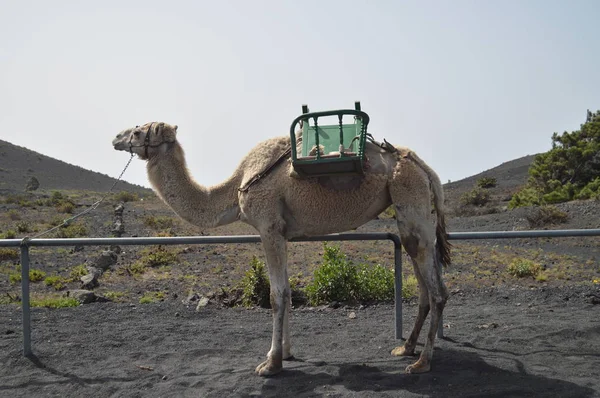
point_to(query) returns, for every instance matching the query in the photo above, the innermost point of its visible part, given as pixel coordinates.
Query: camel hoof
(268, 368)
(418, 367)
(402, 351)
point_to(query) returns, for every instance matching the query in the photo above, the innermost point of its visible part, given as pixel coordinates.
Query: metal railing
(25, 244)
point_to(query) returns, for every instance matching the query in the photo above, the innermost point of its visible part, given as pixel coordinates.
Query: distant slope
(509, 176)
(18, 164)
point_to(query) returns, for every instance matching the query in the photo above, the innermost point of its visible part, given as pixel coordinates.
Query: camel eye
(136, 133)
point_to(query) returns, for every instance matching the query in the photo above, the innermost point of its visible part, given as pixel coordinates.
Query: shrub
(410, 287)
(153, 258)
(256, 289)
(35, 275)
(125, 196)
(14, 215)
(23, 227)
(525, 197)
(114, 296)
(159, 223)
(14, 277)
(8, 254)
(334, 280)
(477, 197)
(590, 191)
(55, 281)
(375, 283)
(338, 279)
(487, 182)
(72, 231)
(10, 234)
(65, 207)
(55, 302)
(521, 267)
(152, 297)
(546, 215)
(77, 272)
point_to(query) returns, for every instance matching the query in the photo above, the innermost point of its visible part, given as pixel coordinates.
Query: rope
(94, 205)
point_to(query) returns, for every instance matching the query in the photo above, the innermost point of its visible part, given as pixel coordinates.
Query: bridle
(146, 143)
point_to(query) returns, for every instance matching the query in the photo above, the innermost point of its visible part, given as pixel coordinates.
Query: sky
(467, 85)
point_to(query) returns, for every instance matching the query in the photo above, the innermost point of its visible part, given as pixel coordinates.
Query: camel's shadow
(456, 374)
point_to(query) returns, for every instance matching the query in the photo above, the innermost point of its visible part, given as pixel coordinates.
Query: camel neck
(205, 207)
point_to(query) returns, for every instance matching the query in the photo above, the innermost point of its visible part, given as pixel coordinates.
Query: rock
(32, 184)
(492, 325)
(191, 298)
(334, 305)
(594, 300)
(352, 315)
(202, 303)
(105, 260)
(83, 296)
(89, 281)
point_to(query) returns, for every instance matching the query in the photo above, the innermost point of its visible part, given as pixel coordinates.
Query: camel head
(146, 141)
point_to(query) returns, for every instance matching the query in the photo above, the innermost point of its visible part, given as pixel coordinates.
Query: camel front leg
(276, 254)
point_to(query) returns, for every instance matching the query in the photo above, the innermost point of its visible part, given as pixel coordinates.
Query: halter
(146, 143)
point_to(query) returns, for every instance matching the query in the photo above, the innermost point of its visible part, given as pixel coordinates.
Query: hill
(18, 164)
(510, 176)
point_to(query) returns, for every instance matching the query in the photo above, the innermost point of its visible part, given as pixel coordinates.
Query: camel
(263, 193)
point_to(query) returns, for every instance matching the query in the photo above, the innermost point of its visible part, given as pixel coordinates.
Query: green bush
(8, 254)
(23, 227)
(125, 196)
(152, 297)
(77, 272)
(525, 197)
(338, 279)
(55, 302)
(521, 267)
(55, 281)
(153, 257)
(256, 289)
(334, 280)
(10, 234)
(14, 215)
(159, 223)
(486, 182)
(477, 197)
(72, 231)
(546, 215)
(35, 275)
(375, 282)
(590, 191)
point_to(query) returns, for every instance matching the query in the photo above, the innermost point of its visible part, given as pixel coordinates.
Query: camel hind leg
(418, 236)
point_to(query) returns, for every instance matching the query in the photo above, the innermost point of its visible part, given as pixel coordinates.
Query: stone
(32, 184)
(203, 302)
(352, 315)
(89, 281)
(105, 260)
(83, 296)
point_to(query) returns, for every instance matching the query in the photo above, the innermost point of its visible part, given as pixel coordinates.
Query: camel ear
(159, 128)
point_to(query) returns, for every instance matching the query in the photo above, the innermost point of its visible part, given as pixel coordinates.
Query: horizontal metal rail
(554, 233)
(24, 245)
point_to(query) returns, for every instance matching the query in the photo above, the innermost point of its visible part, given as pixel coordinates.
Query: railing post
(25, 300)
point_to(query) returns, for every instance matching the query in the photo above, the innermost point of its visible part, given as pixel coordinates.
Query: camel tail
(442, 245)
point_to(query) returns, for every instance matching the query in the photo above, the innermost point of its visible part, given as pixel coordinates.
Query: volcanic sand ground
(498, 343)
